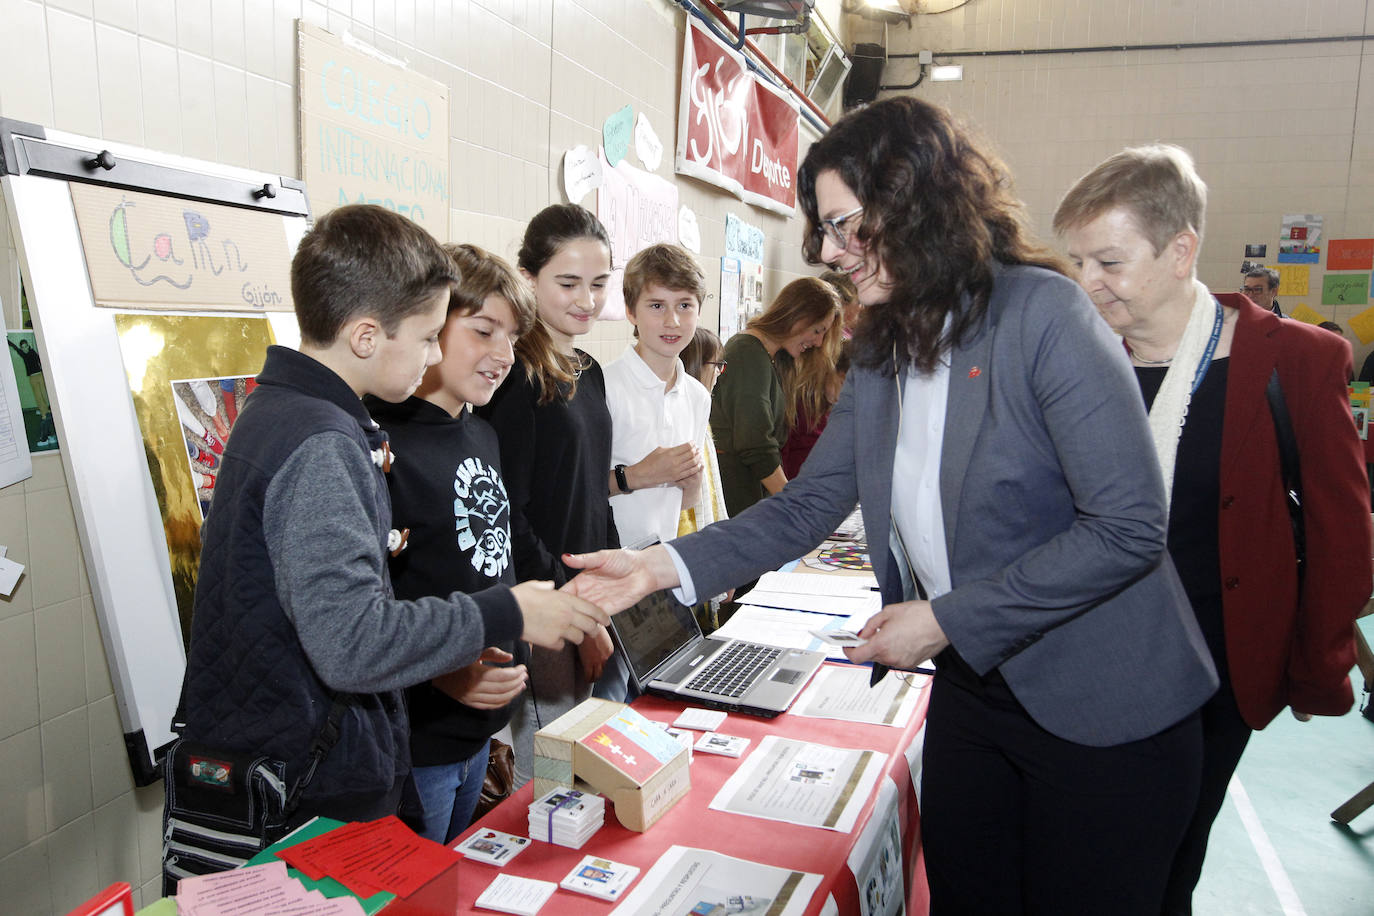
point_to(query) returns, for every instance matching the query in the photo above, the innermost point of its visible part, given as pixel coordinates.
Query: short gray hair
(1268, 274)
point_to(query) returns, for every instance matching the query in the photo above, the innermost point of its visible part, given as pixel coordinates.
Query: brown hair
(704, 347)
(1156, 184)
(552, 372)
(362, 260)
(670, 266)
(807, 300)
(485, 274)
(939, 213)
(809, 380)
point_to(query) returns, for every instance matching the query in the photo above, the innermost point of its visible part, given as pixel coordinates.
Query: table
(691, 822)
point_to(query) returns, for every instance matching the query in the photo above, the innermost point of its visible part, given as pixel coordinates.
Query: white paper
(581, 173)
(648, 147)
(866, 604)
(774, 627)
(684, 878)
(10, 572)
(798, 782)
(512, 894)
(811, 584)
(875, 859)
(688, 232)
(840, 692)
(702, 720)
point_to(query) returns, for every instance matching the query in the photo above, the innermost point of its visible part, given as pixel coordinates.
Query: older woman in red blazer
(1133, 228)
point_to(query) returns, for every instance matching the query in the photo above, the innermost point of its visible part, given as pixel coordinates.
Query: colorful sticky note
(1303, 313)
(1345, 289)
(1350, 254)
(616, 134)
(1363, 326)
(1293, 279)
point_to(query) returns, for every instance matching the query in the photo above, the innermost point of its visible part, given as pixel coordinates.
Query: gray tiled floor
(1294, 774)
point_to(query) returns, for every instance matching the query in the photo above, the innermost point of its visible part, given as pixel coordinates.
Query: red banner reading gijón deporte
(733, 129)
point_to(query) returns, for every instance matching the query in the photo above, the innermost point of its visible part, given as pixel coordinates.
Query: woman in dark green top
(749, 404)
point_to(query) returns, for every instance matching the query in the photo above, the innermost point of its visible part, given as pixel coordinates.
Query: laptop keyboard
(734, 670)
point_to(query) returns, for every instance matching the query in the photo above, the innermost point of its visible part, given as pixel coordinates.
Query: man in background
(1261, 286)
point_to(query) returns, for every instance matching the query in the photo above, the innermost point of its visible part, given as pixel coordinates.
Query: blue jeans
(439, 800)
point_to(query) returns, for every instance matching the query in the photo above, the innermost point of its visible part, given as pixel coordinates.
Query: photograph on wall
(1361, 421)
(175, 365)
(206, 410)
(1300, 238)
(39, 429)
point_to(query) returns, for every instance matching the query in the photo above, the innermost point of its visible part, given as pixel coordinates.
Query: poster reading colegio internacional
(372, 131)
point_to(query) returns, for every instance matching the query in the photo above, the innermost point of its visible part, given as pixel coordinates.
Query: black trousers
(1016, 820)
(1224, 737)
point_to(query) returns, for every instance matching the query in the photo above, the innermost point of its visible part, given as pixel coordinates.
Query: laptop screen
(652, 630)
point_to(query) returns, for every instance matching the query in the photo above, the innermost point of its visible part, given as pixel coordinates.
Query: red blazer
(1286, 649)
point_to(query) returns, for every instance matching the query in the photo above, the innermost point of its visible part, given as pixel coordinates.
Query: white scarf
(1170, 408)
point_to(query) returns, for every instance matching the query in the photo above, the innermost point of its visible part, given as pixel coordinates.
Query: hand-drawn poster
(372, 131)
(1350, 254)
(638, 209)
(189, 377)
(1293, 279)
(1300, 238)
(150, 251)
(1345, 289)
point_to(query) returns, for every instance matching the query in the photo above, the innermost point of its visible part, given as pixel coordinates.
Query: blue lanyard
(1211, 349)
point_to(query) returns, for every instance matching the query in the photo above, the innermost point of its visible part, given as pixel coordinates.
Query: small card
(840, 638)
(493, 847)
(698, 719)
(600, 878)
(725, 745)
(509, 894)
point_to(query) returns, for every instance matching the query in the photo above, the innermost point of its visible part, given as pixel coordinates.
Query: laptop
(668, 656)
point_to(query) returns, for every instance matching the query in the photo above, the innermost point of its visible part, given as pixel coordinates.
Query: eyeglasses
(830, 228)
(1252, 290)
(720, 364)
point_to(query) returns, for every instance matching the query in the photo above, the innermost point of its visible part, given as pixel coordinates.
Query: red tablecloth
(692, 823)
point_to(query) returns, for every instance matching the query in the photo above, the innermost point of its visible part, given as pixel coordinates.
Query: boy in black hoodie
(447, 490)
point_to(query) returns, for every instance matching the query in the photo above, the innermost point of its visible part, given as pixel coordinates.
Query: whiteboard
(118, 520)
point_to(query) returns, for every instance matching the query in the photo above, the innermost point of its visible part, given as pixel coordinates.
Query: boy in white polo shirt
(655, 404)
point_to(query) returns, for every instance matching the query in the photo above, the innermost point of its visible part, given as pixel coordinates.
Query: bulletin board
(150, 277)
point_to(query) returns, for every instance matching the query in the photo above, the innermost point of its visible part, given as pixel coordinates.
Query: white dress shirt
(916, 507)
(645, 416)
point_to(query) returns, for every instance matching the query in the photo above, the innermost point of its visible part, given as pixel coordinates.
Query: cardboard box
(616, 752)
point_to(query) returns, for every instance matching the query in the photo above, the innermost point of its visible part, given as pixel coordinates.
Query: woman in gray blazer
(993, 434)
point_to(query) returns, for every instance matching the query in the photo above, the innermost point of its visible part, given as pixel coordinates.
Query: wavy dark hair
(939, 211)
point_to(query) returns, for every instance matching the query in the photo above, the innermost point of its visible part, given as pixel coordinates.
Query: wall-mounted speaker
(866, 74)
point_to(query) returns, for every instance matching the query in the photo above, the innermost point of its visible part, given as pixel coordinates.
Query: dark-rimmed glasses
(830, 228)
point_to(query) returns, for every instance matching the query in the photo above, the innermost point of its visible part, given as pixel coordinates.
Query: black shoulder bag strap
(1289, 469)
(323, 743)
(320, 746)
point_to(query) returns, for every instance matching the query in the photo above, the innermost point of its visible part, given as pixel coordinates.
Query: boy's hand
(554, 617)
(593, 652)
(691, 490)
(484, 684)
(665, 464)
(616, 579)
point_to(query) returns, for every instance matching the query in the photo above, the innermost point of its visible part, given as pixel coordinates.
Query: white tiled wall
(1275, 130)
(215, 79)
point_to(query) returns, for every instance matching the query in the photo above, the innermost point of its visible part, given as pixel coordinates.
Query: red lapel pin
(975, 372)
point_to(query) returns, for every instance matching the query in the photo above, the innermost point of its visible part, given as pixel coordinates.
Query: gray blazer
(1054, 514)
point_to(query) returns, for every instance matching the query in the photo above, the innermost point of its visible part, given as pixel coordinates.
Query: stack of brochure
(567, 817)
